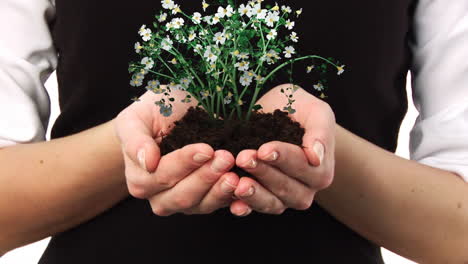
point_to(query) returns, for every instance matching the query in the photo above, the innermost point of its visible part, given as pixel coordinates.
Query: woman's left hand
(286, 175)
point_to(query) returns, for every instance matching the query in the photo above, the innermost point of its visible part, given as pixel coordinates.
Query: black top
(95, 43)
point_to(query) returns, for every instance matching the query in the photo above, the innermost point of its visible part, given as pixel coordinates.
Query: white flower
(174, 86)
(286, 9)
(243, 56)
(215, 20)
(289, 51)
(251, 74)
(258, 11)
(198, 48)
(229, 11)
(219, 38)
(142, 30)
(245, 80)
(208, 20)
(185, 82)
(167, 4)
(148, 62)
(227, 100)
(242, 66)
(294, 37)
(163, 17)
(203, 32)
(166, 44)
(319, 87)
(272, 34)
(276, 7)
(169, 26)
(210, 56)
(196, 18)
(192, 35)
(290, 24)
(142, 73)
(245, 10)
(177, 22)
(340, 69)
(310, 68)
(205, 94)
(271, 56)
(135, 82)
(272, 18)
(181, 38)
(205, 5)
(138, 47)
(173, 61)
(299, 12)
(222, 12)
(259, 78)
(152, 85)
(176, 9)
(146, 34)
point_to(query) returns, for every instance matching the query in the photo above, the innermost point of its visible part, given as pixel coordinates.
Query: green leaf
(257, 107)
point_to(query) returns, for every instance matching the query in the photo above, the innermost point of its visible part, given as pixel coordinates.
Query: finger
(258, 198)
(190, 191)
(319, 137)
(289, 159)
(220, 195)
(240, 208)
(136, 137)
(290, 191)
(172, 168)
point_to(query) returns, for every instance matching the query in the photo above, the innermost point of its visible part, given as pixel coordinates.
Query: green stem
(294, 60)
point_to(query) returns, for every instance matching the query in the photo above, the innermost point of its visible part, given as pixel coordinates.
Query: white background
(30, 254)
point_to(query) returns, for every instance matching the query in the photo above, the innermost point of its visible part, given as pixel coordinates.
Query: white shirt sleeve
(440, 85)
(27, 57)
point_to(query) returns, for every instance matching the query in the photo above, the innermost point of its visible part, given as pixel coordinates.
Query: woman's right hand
(190, 180)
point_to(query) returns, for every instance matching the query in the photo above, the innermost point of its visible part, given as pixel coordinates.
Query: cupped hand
(190, 180)
(286, 175)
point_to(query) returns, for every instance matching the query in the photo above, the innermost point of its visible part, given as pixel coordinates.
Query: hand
(190, 180)
(287, 176)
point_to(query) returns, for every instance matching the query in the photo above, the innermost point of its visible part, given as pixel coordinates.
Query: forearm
(49, 187)
(415, 210)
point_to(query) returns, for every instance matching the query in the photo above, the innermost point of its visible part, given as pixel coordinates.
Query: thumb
(319, 138)
(136, 138)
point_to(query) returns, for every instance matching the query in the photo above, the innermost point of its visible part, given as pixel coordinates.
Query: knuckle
(183, 203)
(279, 211)
(164, 180)
(304, 204)
(137, 192)
(210, 177)
(159, 210)
(285, 190)
(325, 180)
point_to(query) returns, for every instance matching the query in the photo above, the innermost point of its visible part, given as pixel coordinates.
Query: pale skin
(417, 211)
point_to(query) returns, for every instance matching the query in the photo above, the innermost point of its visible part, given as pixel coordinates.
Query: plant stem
(294, 60)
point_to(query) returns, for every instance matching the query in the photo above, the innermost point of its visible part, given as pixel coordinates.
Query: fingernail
(252, 164)
(319, 150)
(272, 157)
(227, 187)
(249, 192)
(199, 157)
(219, 165)
(142, 158)
(247, 212)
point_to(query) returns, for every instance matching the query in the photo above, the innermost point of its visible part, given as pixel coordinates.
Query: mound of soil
(233, 135)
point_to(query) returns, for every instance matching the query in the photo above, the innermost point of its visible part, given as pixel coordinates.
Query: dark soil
(234, 136)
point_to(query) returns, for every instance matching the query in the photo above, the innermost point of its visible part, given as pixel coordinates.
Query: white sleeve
(27, 57)
(440, 85)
